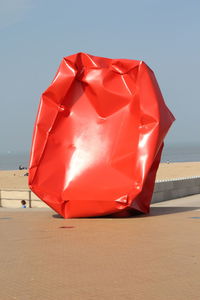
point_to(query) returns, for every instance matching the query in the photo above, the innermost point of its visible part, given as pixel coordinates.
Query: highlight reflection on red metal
(98, 137)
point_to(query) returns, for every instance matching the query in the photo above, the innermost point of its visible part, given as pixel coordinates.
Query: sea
(171, 153)
(181, 153)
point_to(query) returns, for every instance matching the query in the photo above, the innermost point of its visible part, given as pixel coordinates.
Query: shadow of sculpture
(158, 211)
(154, 211)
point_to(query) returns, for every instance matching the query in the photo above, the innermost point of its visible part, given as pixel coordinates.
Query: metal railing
(28, 196)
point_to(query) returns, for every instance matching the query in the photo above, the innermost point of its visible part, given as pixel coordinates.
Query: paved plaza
(153, 257)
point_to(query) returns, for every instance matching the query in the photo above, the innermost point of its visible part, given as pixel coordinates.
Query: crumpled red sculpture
(98, 137)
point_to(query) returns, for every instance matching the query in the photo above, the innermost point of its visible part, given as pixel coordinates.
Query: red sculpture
(98, 137)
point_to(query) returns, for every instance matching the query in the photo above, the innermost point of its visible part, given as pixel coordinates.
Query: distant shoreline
(171, 153)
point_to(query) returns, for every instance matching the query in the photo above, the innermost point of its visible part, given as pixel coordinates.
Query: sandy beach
(178, 170)
(15, 179)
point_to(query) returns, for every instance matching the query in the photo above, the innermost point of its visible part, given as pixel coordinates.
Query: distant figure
(26, 174)
(23, 202)
(22, 168)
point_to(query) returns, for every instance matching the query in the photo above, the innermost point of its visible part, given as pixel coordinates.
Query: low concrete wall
(175, 188)
(164, 190)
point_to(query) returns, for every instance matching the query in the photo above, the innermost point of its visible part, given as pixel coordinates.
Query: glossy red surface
(98, 137)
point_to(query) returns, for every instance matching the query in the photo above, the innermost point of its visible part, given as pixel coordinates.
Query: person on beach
(23, 202)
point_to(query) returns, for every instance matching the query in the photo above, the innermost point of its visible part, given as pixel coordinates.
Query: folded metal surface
(98, 137)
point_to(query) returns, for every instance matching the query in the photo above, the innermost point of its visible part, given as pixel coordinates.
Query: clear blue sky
(35, 35)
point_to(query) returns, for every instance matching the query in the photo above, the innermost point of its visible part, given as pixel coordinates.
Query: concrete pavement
(157, 256)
